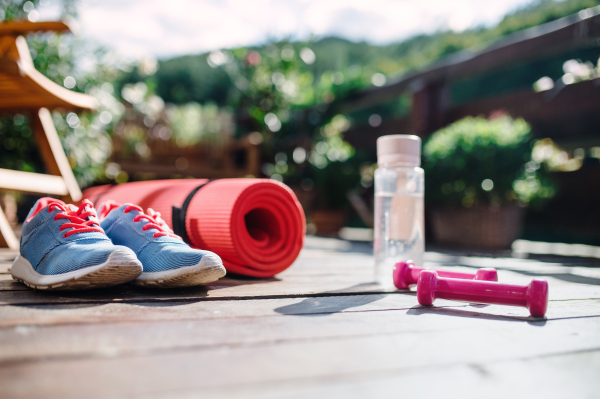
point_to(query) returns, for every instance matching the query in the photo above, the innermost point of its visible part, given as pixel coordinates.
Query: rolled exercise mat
(256, 226)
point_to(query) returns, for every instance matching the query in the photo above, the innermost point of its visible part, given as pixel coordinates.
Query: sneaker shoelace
(154, 221)
(81, 220)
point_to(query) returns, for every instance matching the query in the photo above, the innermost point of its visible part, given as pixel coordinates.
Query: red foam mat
(256, 226)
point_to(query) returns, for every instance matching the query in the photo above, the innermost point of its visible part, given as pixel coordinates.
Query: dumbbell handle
(406, 274)
(533, 296)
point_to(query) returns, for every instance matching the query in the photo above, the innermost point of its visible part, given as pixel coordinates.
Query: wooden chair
(24, 89)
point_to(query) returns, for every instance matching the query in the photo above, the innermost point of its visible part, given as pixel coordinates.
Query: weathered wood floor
(320, 329)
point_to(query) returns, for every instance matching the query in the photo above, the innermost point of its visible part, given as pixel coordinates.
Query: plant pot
(480, 227)
(328, 223)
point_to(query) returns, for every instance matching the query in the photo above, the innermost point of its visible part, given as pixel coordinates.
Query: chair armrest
(21, 27)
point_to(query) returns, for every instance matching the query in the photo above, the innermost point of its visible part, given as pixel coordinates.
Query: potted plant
(479, 175)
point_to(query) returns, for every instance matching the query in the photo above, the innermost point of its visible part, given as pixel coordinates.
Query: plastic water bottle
(399, 209)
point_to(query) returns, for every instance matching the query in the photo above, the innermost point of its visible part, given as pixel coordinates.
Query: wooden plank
(32, 90)
(8, 284)
(5, 45)
(53, 153)
(218, 291)
(558, 376)
(301, 334)
(328, 357)
(150, 311)
(555, 266)
(32, 182)
(500, 260)
(266, 322)
(64, 98)
(56, 314)
(326, 272)
(331, 271)
(6, 258)
(299, 286)
(5, 267)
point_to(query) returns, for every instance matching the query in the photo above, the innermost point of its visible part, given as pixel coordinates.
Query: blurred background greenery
(286, 98)
(478, 161)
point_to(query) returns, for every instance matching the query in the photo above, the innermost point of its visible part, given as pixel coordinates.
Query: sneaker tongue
(77, 211)
(107, 207)
(156, 216)
(42, 203)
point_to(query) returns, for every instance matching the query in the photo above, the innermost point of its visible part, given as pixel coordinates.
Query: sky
(168, 28)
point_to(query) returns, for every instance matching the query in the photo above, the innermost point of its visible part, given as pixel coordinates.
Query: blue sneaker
(63, 247)
(168, 261)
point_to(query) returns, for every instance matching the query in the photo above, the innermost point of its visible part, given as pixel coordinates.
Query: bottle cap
(398, 149)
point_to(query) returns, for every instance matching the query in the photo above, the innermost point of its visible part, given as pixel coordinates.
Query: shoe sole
(122, 266)
(209, 269)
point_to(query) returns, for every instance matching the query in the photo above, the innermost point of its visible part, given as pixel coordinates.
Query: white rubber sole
(122, 266)
(209, 269)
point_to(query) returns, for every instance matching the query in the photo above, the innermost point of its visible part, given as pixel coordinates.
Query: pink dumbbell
(533, 296)
(406, 274)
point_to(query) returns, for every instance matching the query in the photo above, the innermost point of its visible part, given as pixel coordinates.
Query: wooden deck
(320, 329)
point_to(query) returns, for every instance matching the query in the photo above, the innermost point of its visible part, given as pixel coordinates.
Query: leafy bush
(479, 161)
(194, 123)
(334, 181)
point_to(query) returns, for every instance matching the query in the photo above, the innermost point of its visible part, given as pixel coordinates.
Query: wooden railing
(236, 158)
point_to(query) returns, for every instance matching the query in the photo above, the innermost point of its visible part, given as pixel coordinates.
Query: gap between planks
(287, 289)
(321, 305)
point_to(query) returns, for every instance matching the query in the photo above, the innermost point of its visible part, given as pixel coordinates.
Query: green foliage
(190, 78)
(480, 161)
(289, 102)
(17, 151)
(539, 12)
(85, 137)
(86, 143)
(271, 87)
(335, 180)
(420, 50)
(194, 123)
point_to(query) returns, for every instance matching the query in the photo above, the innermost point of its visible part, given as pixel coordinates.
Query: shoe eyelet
(65, 235)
